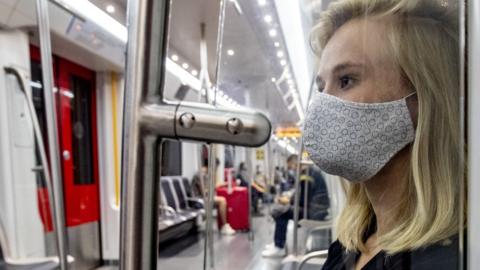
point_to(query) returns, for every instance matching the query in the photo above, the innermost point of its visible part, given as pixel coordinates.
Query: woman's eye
(345, 82)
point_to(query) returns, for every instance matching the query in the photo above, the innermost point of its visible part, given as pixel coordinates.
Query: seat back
(181, 198)
(182, 186)
(187, 187)
(168, 193)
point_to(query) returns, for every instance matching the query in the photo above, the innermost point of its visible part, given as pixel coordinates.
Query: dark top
(199, 185)
(440, 256)
(317, 194)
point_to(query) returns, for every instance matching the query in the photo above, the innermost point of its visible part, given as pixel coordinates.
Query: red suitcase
(237, 207)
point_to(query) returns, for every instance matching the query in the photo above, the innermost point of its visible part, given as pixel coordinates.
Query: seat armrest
(316, 224)
(321, 254)
(168, 210)
(196, 203)
(40, 260)
(195, 200)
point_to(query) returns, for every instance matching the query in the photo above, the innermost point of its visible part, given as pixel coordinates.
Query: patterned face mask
(355, 140)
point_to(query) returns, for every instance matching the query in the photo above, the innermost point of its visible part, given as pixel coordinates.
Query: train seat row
(180, 213)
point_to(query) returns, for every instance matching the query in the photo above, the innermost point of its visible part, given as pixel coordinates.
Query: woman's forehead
(361, 42)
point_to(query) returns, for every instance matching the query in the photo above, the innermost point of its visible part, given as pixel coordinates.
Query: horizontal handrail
(321, 254)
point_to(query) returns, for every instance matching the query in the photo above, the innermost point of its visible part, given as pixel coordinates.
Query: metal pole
(251, 235)
(221, 24)
(297, 182)
(144, 79)
(463, 72)
(473, 49)
(271, 176)
(52, 135)
(305, 200)
(296, 209)
(211, 100)
(204, 77)
(209, 251)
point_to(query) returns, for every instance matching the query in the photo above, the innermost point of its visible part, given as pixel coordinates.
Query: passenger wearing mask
(291, 173)
(200, 189)
(258, 186)
(387, 119)
(317, 209)
(278, 176)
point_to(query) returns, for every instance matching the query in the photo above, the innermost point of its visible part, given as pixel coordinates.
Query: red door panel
(76, 118)
(78, 140)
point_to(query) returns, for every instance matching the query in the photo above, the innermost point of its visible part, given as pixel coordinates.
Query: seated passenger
(200, 189)
(258, 186)
(289, 178)
(386, 119)
(317, 209)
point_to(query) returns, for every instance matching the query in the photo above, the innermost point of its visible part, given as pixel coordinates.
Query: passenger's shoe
(270, 246)
(275, 252)
(227, 230)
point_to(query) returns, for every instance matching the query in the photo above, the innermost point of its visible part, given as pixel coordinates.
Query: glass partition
(364, 99)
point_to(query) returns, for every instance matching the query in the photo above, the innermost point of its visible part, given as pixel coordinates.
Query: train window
(81, 130)
(374, 89)
(385, 118)
(37, 96)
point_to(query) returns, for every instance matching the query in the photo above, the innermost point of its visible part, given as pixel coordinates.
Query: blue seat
(175, 220)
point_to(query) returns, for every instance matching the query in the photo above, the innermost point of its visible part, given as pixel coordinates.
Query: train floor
(235, 252)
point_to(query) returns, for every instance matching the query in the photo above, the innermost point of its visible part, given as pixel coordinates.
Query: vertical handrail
(296, 208)
(473, 60)
(305, 199)
(221, 24)
(141, 161)
(271, 176)
(52, 130)
(251, 233)
(212, 148)
(297, 182)
(209, 247)
(462, 17)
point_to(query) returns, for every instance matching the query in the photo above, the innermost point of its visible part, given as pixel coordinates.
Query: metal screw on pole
(235, 126)
(187, 120)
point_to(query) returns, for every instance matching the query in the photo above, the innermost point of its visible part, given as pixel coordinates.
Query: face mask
(355, 140)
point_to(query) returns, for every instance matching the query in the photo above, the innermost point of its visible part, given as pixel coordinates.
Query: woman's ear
(412, 104)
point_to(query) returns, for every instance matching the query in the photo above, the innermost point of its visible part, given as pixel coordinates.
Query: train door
(76, 114)
(78, 144)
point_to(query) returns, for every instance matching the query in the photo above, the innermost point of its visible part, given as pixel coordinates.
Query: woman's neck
(387, 188)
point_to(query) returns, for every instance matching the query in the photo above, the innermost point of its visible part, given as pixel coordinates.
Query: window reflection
(387, 121)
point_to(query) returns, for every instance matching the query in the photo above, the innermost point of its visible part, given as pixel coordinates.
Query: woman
(200, 184)
(387, 121)
(258, 189)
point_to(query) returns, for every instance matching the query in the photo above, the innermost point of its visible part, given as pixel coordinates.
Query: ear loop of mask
(411, 94)
(412, 111)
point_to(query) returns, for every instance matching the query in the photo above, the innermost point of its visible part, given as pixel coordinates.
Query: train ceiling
(247, 66)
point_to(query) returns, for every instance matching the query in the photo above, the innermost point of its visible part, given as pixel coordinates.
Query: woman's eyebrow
(347, 65)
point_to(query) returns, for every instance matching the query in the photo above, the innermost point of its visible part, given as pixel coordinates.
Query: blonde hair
(423, 38)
